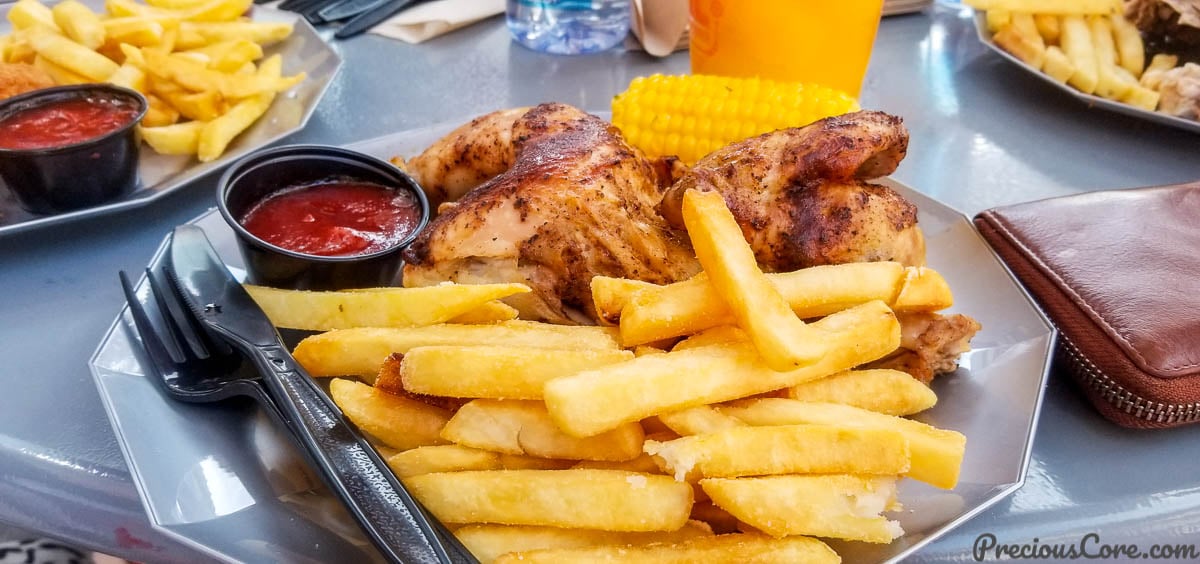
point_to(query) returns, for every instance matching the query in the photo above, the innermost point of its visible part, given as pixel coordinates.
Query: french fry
(496, 372)
(26, 14)
(197, 34)
(441, 458)
(59, 74)
(457, 458)
(489, 542)
(1161, 62)
(890, 392)
(692, 306)
(556, 498)
(1057, 65)
(177, 139)
(137, 31)
(216, 10)
(388, 307)
(1109, 83)
(593, 401)
(229, 56)
(785, 449)
(698, 420)
(937, 454)
(836, 506)
(399, 422)
(1057, 7)
(218, 133)
(524, 427)
(783, 340)
(175, 4)
(79, 23)
(713, 336)
(1021, 38)
(71, 56)
(1142, 97)
(1131, 51)
(611, 294)
(489, 312)
(360, 352)
(1077, 44)
(200, 106)
(1048, 27)
(129, 76)
(721, 548)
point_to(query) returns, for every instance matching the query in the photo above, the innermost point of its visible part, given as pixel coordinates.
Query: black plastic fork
(192, 365)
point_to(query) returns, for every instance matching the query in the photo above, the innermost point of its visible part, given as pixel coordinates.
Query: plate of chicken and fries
(685, 405)
(236, 75)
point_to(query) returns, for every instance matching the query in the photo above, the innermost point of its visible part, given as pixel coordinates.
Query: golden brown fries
(936, 453)
(360, 352)
(496, 372)
(594, 401)
(606, 500)
(383, 307)
(785, 449)
(206, 63)
(524, 427)
(839, 506)
(783, 340)
(881, 390)
(698, 420)
(399, 422)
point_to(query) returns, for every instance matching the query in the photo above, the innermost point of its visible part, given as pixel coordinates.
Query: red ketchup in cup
(66, 122)
(335, 218)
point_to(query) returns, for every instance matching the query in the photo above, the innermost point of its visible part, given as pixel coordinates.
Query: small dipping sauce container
(316, 217)
(70, 147)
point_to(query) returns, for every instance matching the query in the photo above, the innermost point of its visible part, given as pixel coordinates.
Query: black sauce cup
(78, 175)
(260, 174)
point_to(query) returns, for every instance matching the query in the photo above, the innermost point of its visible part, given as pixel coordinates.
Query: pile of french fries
(722, 420)
(1087, 44)
(198, 62)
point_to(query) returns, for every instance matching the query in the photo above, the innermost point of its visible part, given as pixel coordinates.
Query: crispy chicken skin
(577, 202)
(466, 157)
(801, 194)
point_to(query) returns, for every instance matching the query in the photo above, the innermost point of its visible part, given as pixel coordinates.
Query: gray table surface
(983, 134)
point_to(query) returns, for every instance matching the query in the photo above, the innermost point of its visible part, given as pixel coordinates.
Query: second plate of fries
(1083, 47)
(221, 81)
(252, 470)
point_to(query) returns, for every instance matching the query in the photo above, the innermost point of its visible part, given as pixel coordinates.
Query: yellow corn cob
(689, 116)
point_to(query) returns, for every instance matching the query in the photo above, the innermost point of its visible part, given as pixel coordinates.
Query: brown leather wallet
(1118, 272)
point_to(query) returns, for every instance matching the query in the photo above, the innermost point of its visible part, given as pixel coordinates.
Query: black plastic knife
(370, 18)
(387, 513)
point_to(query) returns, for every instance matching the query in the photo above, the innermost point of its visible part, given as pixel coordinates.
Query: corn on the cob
(689, 116)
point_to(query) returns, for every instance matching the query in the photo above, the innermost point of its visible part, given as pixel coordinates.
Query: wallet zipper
(1124, 400)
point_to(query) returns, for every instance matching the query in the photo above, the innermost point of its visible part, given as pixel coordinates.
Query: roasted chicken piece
(930, 344)
(801, 194)
(577, 202)
(469, 156)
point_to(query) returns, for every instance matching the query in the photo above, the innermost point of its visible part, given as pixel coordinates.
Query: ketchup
(66, 122)
(335, 218)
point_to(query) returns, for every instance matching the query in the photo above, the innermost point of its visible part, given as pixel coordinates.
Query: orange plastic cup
(816, 41)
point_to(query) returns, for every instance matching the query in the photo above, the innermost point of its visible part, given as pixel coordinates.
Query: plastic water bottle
(568, 27)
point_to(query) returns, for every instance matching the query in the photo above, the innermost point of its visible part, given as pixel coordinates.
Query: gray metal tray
(303, 51)
(222, 479)
(985, 37)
